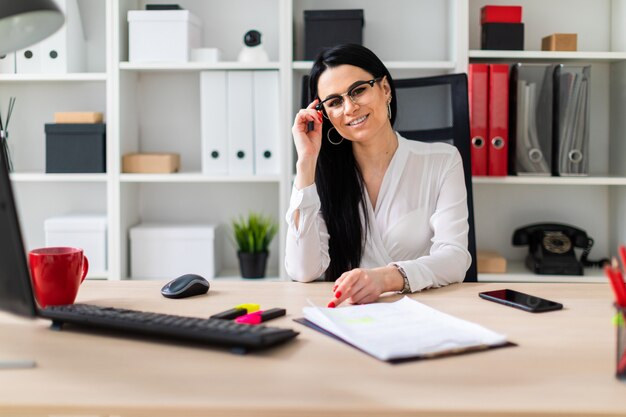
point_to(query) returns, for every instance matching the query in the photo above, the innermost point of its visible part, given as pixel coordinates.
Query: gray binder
(571, 129)
(531, 109)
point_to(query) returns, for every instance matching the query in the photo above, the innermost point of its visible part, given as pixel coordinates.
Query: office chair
(436, 109)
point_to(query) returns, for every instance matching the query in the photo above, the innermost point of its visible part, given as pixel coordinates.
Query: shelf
(517, 272)
(537, 180)
(393, 65)
(83, 76)
(549, 55)
(234, 275)
(198, 178)
(196, 66)
(98, 276)
(41, 177)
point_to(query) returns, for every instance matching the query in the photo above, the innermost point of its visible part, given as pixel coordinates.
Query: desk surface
(564, 363)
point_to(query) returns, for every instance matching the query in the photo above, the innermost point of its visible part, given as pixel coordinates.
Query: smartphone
(520, 300)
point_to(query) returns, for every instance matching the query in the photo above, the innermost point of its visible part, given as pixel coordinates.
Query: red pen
(622, 254)
(621, 367)
(617, 282)
(259, 317)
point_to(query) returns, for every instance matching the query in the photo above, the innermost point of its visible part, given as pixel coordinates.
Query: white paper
(402, 329)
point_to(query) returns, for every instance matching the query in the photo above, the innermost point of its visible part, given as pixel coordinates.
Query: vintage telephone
(551, 248)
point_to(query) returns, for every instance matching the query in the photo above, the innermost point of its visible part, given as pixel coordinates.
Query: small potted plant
(253, 235)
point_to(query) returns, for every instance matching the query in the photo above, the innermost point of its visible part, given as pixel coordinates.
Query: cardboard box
(502, 36)
(166, 251)
(324, 28)
(75, 147)
(88, 232)
(500, 14)
(560, 42)
(150, 163)
(78, 117)
(162, 35)
(490, 262)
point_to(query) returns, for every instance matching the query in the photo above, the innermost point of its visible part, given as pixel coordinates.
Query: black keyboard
(224, 333)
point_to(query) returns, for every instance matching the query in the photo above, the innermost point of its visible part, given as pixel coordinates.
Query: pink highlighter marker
(259, 317)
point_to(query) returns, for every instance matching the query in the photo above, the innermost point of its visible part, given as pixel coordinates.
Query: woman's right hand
(308, 142)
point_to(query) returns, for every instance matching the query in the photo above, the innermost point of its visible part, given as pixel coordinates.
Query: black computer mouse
(185, 286)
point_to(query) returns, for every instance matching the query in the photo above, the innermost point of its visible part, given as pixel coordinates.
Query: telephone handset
(551, 248)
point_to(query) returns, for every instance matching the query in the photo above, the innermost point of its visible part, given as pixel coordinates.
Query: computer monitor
(16, 291)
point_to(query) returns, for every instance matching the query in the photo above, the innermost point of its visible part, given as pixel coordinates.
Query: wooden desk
(564, 364)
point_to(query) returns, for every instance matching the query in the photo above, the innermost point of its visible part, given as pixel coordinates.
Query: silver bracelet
(406, 289)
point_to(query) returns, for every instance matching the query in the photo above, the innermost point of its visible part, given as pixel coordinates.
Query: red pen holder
(620, 360)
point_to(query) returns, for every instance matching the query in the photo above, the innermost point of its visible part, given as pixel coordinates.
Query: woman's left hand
(358, 286)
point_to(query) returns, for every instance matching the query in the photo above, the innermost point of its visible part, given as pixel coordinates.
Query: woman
(369, 209)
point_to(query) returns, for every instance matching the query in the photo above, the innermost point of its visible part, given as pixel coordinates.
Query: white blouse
(419, 223)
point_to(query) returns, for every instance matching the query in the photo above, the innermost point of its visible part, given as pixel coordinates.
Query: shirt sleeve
(306, 251)
(448, 258)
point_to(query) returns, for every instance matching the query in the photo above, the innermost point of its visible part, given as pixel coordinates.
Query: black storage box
(502, 36)
(75, 148)
(324, 28)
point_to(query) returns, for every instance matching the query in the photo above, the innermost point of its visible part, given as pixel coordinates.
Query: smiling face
(360, 121)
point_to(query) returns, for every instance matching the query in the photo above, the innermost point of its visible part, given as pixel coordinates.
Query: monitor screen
(16, 292)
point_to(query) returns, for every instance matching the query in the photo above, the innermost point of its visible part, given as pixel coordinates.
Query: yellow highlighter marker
(249, 307)
(237, 311)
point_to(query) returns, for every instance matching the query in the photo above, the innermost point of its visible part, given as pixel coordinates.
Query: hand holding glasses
(359, 93)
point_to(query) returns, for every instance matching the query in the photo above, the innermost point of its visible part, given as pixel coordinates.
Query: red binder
(498, 119)
(478, 82)
(501, 14)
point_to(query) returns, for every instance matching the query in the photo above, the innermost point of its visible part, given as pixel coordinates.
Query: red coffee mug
(56, 274)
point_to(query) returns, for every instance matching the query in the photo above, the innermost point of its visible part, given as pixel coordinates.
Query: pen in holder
(4, 135)
(620, 360)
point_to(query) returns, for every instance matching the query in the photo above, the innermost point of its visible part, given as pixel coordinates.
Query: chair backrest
(436, 109)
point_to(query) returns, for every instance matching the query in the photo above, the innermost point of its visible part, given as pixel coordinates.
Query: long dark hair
(338, 178)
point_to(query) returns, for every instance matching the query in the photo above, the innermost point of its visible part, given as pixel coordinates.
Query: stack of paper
(402, 329)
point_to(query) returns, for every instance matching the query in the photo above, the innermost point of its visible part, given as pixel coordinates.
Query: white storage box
(162, 35)
(88, 232)
(166, 251)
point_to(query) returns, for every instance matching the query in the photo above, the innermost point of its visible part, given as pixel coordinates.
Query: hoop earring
(389, 109)
(330, 140)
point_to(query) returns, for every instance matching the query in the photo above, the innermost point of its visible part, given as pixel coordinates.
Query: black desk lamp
(26, 22)
(22, 23)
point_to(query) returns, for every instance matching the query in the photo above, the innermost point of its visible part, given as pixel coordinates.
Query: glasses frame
(320, 106)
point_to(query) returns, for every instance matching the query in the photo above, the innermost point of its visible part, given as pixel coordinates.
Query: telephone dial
(551, 248)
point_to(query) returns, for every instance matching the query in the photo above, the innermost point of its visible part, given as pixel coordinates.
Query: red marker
(621, 367)
(259, 317)
(617, 283)
(622, 254)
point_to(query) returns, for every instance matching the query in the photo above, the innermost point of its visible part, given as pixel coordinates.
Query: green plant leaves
(254, 233)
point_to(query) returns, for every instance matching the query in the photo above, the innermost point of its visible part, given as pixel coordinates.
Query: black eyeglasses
(359, 94)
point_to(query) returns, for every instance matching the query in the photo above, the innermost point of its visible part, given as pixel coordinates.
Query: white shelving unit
(38, 97)
(591, 203)
(155, 107)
